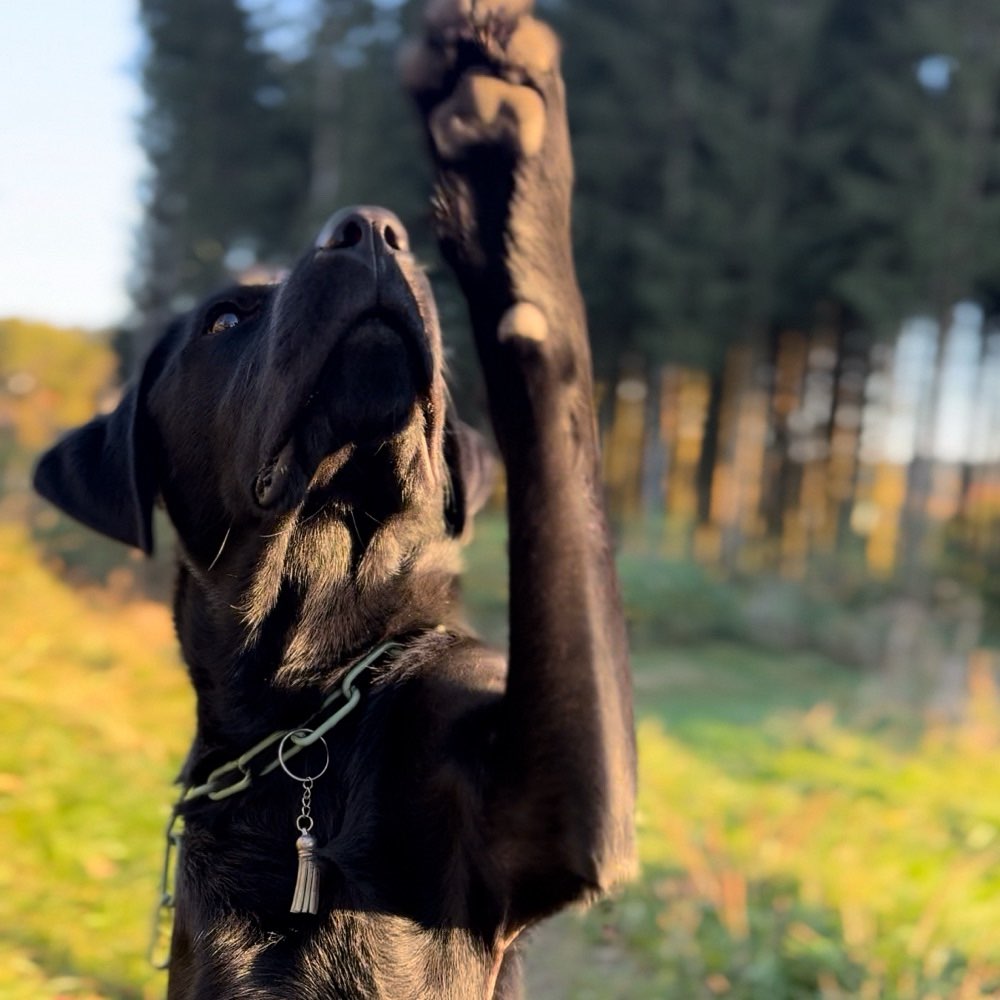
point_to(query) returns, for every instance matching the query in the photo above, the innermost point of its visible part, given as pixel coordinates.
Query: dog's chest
(394, 958)
(403, 911)
(379, 935)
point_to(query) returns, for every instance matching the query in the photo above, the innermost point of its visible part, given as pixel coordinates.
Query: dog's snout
(368, 230)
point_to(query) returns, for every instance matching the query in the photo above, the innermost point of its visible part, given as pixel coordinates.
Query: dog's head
(273, 407)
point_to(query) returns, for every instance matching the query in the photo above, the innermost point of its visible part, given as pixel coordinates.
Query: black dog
(299, 437)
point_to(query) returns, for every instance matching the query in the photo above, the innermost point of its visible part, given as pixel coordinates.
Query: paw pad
(484, 109)
(534, 47)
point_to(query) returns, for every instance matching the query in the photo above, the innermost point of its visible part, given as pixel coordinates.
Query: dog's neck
(270, 610)
(272, 632)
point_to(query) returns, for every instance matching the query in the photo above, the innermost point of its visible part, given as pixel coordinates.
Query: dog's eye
(224, 321)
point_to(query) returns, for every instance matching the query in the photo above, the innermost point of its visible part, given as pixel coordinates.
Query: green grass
(790, 849)
(96, 714)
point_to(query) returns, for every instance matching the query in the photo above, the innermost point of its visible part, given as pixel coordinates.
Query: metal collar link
(241, 776)
(216, 788)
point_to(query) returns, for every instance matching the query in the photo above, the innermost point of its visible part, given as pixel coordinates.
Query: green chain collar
(237, 776)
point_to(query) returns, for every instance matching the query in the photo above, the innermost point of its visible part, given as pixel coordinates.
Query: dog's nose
(364, 229)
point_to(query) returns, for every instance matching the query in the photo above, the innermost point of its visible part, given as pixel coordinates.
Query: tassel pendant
(306, 899)
(306, 896)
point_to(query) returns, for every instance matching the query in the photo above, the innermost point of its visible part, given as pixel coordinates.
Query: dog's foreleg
(487, 80)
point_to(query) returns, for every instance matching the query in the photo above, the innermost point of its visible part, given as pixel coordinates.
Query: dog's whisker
(218, 555)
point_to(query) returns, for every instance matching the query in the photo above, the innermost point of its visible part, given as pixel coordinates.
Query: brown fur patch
(523, 321)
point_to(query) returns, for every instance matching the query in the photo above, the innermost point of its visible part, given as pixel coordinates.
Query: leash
(237, 776)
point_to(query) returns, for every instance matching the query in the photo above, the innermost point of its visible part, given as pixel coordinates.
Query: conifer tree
(227, 169)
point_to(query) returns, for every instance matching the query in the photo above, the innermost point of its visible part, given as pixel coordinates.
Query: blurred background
(788, 235)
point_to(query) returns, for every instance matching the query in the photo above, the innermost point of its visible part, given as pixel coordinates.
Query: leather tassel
(306, 899)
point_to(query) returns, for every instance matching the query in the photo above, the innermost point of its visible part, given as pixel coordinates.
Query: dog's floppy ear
(101, 475)
(471, 471)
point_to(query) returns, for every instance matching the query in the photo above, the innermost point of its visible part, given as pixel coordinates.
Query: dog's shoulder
(443, 687)
(431, 730)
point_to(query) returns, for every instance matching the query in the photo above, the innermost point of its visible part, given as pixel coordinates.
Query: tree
(924, 178)
(227, 162)
(704, 213)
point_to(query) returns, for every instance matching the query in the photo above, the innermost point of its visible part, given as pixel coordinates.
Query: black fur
(320, 489)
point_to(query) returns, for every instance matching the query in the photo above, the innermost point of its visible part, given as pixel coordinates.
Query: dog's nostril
(349, 235)
(394, 239)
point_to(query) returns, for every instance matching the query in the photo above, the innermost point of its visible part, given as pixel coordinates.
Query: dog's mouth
(376, 377)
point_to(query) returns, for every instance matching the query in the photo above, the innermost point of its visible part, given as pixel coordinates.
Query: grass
(94, 726)
(791, 849)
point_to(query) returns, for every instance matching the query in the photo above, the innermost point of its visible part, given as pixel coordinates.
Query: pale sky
(70, 163)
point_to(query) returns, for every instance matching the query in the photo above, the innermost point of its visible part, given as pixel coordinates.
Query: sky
(70, 163)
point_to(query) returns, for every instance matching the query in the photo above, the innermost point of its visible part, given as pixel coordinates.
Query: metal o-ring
(281, 755)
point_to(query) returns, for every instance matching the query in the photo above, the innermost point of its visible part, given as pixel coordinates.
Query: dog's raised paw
(485, 77)
(495, 37)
